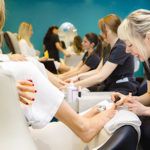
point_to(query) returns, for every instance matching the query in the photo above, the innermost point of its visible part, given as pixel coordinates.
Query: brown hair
(93, 38)
(112, 21)
(77, 44)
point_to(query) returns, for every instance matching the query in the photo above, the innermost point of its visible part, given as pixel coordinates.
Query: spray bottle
(72, 92)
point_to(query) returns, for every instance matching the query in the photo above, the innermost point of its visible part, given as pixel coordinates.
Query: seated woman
(117, 72)
(91, 44)
(24, 34)
(49, 100)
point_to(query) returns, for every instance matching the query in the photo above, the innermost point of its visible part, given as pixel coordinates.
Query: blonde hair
(23, 30)
(2, 14)
(134, 29)
(2, 18)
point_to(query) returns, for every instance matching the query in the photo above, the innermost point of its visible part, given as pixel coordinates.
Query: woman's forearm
(87, 74)
(93, 80)
(146, 112)
(92, 72)
(99, 76)
(69, 74)
(145, 99)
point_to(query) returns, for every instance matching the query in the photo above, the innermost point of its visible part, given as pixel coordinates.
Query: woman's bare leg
(86, 127)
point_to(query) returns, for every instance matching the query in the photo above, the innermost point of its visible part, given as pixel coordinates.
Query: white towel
(121, 118)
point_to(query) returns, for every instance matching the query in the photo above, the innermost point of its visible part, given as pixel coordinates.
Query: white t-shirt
(47, 99)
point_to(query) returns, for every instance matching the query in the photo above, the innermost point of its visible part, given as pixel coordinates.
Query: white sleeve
(23, 47)
(26, 49)
(47, 99)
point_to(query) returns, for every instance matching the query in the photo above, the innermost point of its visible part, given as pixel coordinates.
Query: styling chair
(56, 136)
(13, 127)
(11, 41)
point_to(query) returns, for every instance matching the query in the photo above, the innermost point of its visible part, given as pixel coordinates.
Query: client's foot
(92, 112)
(93, 125)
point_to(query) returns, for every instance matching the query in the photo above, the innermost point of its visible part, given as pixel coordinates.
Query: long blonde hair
(134, 29)
(23, 30)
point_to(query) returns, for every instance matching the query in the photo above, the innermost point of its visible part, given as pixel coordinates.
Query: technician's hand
(73, 79)
(136, 107)
(118, 98)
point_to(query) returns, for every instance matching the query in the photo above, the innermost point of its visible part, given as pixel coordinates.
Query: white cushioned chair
(56, 136)
(14, 133)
